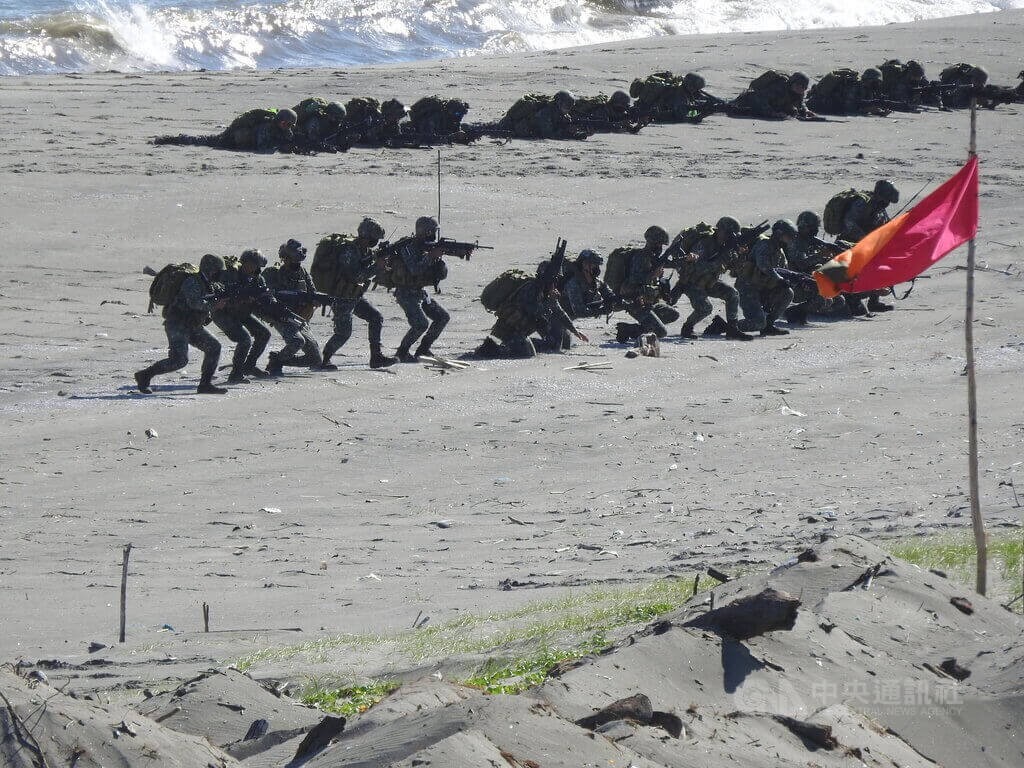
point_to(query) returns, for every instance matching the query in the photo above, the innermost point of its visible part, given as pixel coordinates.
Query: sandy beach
(352, 501)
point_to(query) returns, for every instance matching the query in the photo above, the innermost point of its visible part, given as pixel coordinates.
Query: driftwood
(637, 709)
(320, 736)
(812, 734)
(767, 611)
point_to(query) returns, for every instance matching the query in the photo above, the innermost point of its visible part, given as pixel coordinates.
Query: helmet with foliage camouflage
(728, 225)
(564, 100)
(655, 235)
(370, 229)
(619, 99)
(783, 227)
(871, 75)
(287, 116)
(979, 76)
(590, 256)
(799, 78)
(253, 256)
(808, 220)
(694, 82)
(914, 68)
(426, 226)
(293, 250)
(457, 107)
(885, 190)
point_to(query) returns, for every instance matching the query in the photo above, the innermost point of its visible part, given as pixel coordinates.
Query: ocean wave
(217, 34)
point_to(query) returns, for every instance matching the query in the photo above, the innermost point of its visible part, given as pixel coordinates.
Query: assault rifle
(797, 280)
(625, 125)
(554, 272)
(885, 106)
(303, 298)
(750, 235)
(450, 247)
(261, 297)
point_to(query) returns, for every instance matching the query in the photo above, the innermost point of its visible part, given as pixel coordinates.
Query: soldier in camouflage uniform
(185, 319)
(358, 264)
(775, 100)
(582, 294)
(550, 120)
(764, 293)
(641, 292)
(700, 276)
(261, 130)
(861, 217)
(321, 125)
(292, 276)
(805, 254)
(908, 85)
(533, 308)
(237, 322)
(421, 265)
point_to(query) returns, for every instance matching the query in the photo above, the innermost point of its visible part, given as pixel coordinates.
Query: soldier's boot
(488, 350)
(327, 365)
(686, 332)
(378, 359)
(625, 332)
(797, 314)
(772, 330)
(856, 305)
(733, 332)
(403, 355)
(423, 350)
(142, 379)
(717, 327)
(237, 377)
(875, 304)
(274, 367)
(206, 387)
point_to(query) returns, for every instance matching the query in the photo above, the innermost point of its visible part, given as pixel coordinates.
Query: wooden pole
(980, 543)
(206, 617)
(124, 588)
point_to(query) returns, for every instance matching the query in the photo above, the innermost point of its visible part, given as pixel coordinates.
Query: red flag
(906, 246)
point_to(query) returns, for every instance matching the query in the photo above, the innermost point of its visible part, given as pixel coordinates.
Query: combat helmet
(393, 109)
(694, 82)
(287, 116)
(784, 227)
(211, 265)
(336, 110)
(253, 256)
(979, 76)
(914, 68)
(292, 250)
(655, 235)
(871, 75)
(885, 190)
(426, 226)
(591, 256)
(369, 229)
(619, 99)
(563, 100)
(808, 220)
(799, 78)
(728, 225)
(457, 107)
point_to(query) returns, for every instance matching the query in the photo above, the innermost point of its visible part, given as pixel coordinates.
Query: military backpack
(958, 74)
(892, 72)
(617, 268)
(836, 208)
(832, 87)
(251, 119)
(688, 238)
(503, 289)
(527, 107)
(769, 79)
(362, 110)
(167, 283)
(327, 270)
(427, 108)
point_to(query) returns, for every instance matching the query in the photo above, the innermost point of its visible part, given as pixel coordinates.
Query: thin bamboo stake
(124, 588)
(977, 523)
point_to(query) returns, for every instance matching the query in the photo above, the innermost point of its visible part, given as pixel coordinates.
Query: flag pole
(977, 523)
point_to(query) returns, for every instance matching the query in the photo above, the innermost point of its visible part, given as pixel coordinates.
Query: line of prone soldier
(319, 125)
(771, 266)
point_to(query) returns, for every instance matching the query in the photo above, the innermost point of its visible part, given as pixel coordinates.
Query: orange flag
(903, 248)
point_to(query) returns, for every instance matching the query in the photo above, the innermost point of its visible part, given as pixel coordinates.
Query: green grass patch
(349, 700)
(531, 670)
(559, 622)
(954, 555)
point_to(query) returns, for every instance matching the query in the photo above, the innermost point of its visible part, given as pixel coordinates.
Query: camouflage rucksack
(314, 106)
(768, 80)
(617, 268)
(326, 270)
(958, 74)
(167, 283)
(362, 110)
(502, 289)
(586, 106)
(688, 238)
(892, 72)
(427, 108)
(527, 107)
(836, 208)
(251, 119)
(832, 86)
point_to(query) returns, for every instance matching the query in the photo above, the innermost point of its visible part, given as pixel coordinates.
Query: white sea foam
(217, 34)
